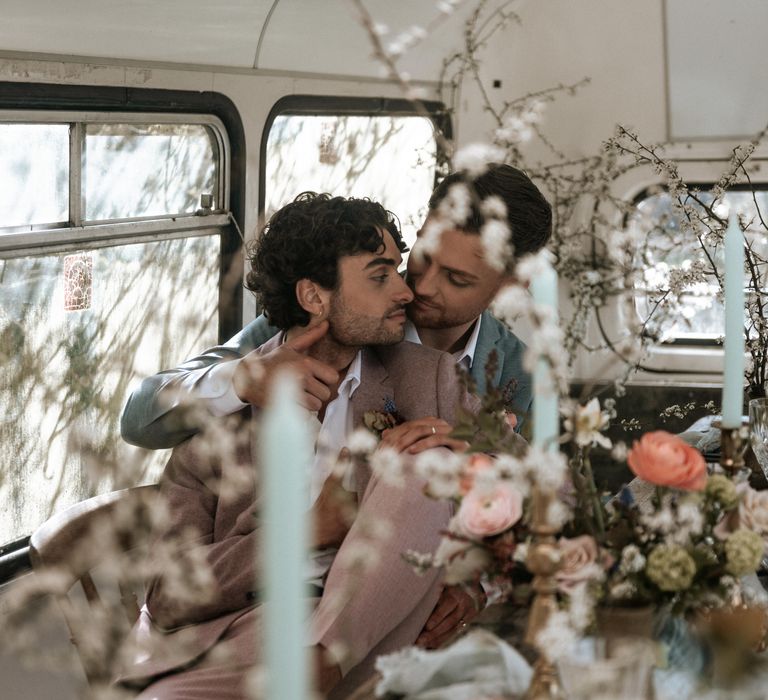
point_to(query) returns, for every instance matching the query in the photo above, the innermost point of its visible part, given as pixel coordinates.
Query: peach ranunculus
(477, 462)
(580, 560)
(666, 460)
(486, 512)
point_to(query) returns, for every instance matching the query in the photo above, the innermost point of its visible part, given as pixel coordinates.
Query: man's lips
(398, 315)
(422, 304)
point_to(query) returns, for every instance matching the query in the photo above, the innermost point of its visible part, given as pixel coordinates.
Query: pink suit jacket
(387, 608)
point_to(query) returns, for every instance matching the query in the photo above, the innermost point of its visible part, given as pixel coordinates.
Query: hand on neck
(327, 349)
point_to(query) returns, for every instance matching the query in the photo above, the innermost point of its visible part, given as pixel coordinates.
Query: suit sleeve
(160, 412)
(193, 505)
(516, 384)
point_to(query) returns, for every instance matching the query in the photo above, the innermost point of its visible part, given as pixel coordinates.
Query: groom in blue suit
(453, 285)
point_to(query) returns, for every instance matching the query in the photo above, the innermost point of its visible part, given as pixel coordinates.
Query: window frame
(679, 341)
(76, 121)
(690, 365)
(49, 102)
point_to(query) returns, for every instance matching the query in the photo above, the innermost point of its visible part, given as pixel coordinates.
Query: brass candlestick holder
(543, 561)
(733, 444)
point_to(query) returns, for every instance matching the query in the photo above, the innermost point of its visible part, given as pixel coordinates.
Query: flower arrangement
(491, 485)
(676, 538)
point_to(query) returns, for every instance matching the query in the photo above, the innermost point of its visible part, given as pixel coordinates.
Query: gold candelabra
(733, 444)
(543, 561)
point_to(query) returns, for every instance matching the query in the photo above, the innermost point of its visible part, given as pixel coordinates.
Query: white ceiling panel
(307, 36)
(327, 36)
(222, 32)
(717, 67)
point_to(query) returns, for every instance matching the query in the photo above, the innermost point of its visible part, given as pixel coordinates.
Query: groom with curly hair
(325, 270)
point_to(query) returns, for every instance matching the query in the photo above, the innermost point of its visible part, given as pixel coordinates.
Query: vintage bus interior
(142, 145)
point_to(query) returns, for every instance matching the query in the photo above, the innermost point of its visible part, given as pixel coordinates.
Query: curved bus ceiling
(268, 35)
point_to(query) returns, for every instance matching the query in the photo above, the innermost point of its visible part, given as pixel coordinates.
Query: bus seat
(97, 547)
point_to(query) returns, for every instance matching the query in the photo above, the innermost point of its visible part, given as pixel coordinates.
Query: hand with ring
(456, 608)
(415, 436)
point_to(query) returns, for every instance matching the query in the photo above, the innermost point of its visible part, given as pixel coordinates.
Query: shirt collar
(467, 353)
(411, 334)
(352, 378)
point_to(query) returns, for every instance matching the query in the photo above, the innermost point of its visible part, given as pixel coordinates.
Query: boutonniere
(379, 421)
(508, 395)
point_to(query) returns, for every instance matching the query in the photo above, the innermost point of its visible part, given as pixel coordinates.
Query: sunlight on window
(390, 159)
(34, 174)
(670, 250)
(76, 330)
(133, 170)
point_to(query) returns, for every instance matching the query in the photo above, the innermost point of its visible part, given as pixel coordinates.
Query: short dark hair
(529, 214)
(305, 240)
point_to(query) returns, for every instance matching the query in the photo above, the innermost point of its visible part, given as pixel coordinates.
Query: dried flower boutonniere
(379, 421)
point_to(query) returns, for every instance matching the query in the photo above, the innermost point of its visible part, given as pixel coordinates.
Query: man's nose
(424, 283)
(403, 293)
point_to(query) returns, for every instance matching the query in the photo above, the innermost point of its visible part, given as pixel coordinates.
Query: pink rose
(477, 462)
(488, 512)
(578, 561)
(665, 460)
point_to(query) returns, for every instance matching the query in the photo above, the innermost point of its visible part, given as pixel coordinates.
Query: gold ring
(434, 432)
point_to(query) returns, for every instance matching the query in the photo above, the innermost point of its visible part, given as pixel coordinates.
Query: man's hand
(254, 374)
(333, 512)
(454, 610)
(415, 436)
(327, 673)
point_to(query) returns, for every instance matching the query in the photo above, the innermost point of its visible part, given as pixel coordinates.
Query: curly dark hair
(529, 214)
(305, 240)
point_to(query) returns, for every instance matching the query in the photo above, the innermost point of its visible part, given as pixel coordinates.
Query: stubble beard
(356, 330)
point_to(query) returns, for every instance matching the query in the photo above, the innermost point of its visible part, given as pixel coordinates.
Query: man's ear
(313, 298)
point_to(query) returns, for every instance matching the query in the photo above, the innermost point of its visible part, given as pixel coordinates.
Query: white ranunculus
(586, 422)
(462, 560)
(753, 513)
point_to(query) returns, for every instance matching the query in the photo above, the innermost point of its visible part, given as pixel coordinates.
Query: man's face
(453, 285)
(368, 308)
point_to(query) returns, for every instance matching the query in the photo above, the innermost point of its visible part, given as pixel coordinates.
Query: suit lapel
(487, 341)
(373, 394)
(374, 390)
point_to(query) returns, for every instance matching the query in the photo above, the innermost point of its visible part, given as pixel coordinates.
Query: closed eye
(458, 281)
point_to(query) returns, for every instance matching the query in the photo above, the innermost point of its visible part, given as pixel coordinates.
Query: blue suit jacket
(150, 421)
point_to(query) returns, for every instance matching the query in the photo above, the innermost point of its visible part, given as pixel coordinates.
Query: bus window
(136, 170)
(391, 159)
(107, 275)
(664, 252)
(34, 172)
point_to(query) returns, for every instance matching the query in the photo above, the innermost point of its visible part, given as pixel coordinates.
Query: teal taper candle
(286, 454)
(546, 419)
(733, 370)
